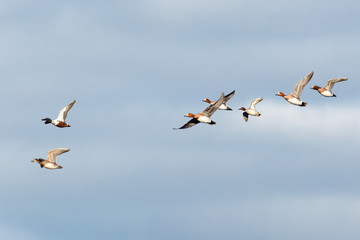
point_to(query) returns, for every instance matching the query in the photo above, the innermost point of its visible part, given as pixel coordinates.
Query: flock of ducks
(293, 98)
(202, 117)
(50, 161)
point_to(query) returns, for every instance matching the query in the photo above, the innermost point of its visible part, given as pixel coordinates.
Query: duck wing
(64, 111)
(330, 83)
(254, 102)
(212, 108)
(300, 85)
(189, 124)
(229, 96)
(246, 116)
(55, 152)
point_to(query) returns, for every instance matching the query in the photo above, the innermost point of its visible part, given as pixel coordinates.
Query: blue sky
(135, 68)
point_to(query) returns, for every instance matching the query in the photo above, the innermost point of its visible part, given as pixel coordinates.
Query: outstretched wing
(246, 116)
(301, 84)
(229, 96)
(330, 83)
(212, 108)
(55, 152)
(254, 102)
(189, 124)
(64, 111)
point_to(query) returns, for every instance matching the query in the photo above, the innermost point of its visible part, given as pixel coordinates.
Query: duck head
(315, 87)
(280, 94)
(39, 161)
(242, 108)
(47, 120)
(207, 100)
(189, 115)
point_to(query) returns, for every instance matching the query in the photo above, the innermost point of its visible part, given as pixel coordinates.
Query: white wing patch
(254, 102)
(330, 83)
(63, 113)
(299, 87)
(55, 152)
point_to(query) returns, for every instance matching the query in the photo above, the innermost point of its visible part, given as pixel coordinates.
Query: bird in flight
(252, 109)
(50, 161)
(326, 91)
(60, 120)
(294, 97)
(222, 106)
(204, 116)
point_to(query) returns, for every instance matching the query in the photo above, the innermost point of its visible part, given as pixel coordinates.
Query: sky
(135, 68)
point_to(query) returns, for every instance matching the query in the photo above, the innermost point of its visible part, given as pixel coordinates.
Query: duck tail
(303, 104)
(212, 122)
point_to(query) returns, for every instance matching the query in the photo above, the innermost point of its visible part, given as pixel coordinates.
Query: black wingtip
(232, 93)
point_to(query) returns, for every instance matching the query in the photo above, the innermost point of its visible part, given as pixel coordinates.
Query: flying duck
(294, 97)
(326, 90)
(50, 161)
(252, 109)
(204, 116)
(60, 121)
(223, 105)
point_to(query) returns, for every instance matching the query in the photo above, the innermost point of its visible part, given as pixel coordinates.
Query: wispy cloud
(293, 122)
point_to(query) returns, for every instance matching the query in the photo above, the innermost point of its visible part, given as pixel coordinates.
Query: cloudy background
(135, 68)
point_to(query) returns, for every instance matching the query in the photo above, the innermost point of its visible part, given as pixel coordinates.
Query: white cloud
(293, 122)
